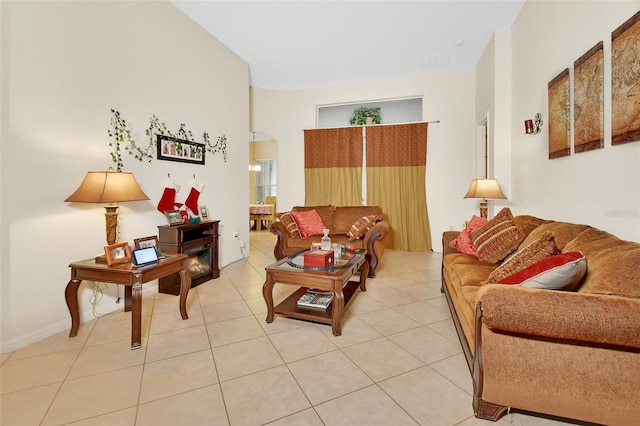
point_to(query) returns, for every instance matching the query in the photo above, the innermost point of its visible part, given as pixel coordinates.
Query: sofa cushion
(498, 238)
(345, 216)
(525, 257)
(558, 272)
(563, 232)
(613, 263)
(289, 224)
(361, 226)
(462, 243)
(325, 213)
(309, 223)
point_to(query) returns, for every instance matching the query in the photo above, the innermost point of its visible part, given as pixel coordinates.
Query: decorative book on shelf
(316, 299)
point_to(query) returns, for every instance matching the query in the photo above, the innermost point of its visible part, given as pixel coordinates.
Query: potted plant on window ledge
(364, 115)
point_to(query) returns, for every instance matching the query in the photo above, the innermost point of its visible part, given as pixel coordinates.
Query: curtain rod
(382, 124)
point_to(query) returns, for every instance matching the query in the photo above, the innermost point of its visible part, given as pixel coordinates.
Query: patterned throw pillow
(534, 252)
(309, 223)
(361, 226)
(498, 238)
(290, 225)
(558, 272)
(462, 243)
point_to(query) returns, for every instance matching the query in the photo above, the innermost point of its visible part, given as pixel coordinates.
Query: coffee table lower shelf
(290, 308)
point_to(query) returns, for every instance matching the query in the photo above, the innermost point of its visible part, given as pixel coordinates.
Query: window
(266, 179)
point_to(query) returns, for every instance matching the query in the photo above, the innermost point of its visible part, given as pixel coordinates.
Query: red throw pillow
(463, 243)
(309, 223)
(558, 272)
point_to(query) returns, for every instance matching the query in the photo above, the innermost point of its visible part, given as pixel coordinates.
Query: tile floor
(398, 361)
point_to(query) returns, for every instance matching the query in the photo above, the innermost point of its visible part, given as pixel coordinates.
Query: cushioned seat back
(325, 213)
(612, 263)
(563, 232)
(344, 217)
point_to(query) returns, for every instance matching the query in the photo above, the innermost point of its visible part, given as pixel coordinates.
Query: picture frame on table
(117, 253)
(144, 242)
(173, 217)
(203, 212)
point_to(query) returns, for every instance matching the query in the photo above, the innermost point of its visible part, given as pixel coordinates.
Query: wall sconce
(533, 127)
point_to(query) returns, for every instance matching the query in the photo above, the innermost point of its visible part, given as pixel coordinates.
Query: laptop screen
(144, 255)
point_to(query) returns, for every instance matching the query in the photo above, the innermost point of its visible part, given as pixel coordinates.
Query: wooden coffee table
(290, 270)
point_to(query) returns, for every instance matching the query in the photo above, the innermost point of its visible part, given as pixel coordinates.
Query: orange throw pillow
(309, 223)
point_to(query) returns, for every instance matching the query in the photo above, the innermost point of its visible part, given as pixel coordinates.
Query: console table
(132, 278)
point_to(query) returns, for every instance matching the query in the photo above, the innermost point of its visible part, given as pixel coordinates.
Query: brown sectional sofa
(568, 354)
(338, 220)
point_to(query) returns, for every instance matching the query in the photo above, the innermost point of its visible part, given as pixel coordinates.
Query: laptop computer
(144, 256)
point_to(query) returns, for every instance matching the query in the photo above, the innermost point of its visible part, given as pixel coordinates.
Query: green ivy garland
(121, 136)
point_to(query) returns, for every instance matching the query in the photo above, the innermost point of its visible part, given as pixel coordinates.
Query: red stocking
(168, 200)
(192, 199)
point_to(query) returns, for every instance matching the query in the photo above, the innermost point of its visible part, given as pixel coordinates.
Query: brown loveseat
(572, 354)
(339, 221)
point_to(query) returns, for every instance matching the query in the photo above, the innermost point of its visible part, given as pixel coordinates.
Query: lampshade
(484, 188)
(107, 187)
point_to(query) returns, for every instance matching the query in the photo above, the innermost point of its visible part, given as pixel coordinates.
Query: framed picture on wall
(174, 149)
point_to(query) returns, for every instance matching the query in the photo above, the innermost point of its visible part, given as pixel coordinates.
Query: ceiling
(292, 45)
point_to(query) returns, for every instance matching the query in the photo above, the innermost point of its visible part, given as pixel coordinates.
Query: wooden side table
(132, 278)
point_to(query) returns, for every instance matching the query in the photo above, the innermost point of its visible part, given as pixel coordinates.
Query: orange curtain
(333, 166)
(396, 181)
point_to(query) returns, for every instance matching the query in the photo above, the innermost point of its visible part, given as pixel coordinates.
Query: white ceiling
(303, 44)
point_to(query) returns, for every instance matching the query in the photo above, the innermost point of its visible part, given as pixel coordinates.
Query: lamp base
(484, 208)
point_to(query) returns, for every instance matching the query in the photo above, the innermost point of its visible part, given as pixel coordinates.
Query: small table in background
(132, 277)
(257, 212)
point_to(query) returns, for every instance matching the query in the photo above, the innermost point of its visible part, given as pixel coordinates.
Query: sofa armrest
(379, 232)
(447, 237)
(280, 232)
(581, 317)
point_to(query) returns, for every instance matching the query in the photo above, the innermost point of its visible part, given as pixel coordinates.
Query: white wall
(600, 187)
(64, 65)
(448, 97)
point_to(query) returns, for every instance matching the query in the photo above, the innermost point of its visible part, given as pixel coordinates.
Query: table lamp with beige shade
(485, 189)
(108, 187)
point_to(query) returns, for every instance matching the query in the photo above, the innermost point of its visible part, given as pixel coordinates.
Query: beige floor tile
(225, 311)
(362, 303)
(257, 305)
(250, 291)
(303, 418)
(27, 407)
(112, 356)
(428, 397)
(57, 343)
(121, 315)
(388, 321)
(327, 376)
(202, 406)
(179, 342)
(456, 371)
(426, 345)
(271, 394)
(381, 359)
(235, 330)
(36, 371)
(165, 303)
(354, 331)
(301, 343)
(124, 417)
(369, 406)
(95, 395)
(281, 324)
(176, 375)
(247, 357)
(112, 331)
(423, 312)
(389, 296)
(5, 356)
(172, 320)
(446, 329)
(216, 292)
